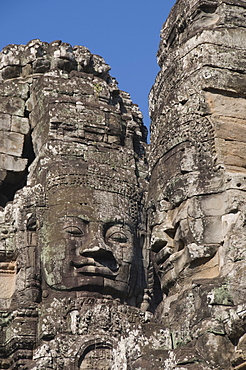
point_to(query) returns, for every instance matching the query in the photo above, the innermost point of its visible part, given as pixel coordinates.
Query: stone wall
(113, 256)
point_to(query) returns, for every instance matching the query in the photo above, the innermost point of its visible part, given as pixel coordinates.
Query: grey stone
(20, 125)
(197, 148)
(11, 143)
(11, 163)
(98, 268)
(5, 122)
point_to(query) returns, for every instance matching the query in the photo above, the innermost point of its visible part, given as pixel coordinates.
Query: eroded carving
(96, 272)
(74, 231)
(196, 208)
(96, 236)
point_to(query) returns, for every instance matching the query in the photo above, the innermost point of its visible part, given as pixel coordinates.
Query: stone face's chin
(82, 282)
(172, 267)
(84, 275)
(89, 283)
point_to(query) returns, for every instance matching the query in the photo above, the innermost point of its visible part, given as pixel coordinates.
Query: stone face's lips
(89, 266)
(95, 271)
(163, 254)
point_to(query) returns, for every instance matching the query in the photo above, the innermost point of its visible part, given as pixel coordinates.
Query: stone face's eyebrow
(121, 223)
(76, 219)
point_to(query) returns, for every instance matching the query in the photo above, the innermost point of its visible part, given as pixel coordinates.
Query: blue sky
(125, 33)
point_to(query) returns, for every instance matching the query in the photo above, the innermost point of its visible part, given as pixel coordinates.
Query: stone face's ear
(8, 255)
(7, 282)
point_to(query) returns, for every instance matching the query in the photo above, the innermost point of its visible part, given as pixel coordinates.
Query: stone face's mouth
(96, 266)
(163, 255)
(95, 271)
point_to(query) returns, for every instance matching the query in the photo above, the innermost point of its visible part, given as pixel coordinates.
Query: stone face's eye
(118, 237)
(73, 230)
(118, 234)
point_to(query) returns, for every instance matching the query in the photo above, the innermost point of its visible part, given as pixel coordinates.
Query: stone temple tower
(196, 206)
(115, 254)
(73, 174)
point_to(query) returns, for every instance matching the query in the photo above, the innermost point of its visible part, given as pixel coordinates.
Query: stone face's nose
(93, 242)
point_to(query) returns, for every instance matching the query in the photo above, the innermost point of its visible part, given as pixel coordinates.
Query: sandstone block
(11, 143)
(20, 125)
(5, 122)
(14, 88)
(11, 105)
(231, 153)
(11, 163)
(41, 65)
(11, 72)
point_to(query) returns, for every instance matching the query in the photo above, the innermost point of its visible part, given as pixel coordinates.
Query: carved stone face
(186, 241)
(89, 242)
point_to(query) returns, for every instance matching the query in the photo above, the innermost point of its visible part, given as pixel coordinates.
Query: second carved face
(186, 240)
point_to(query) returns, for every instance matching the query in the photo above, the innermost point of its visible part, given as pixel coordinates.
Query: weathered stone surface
(11, 143)
(20, 124)
(196, 206)
(13, 106)
(5, 122)
(72, 237)
(12, 163)
(96, 270)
